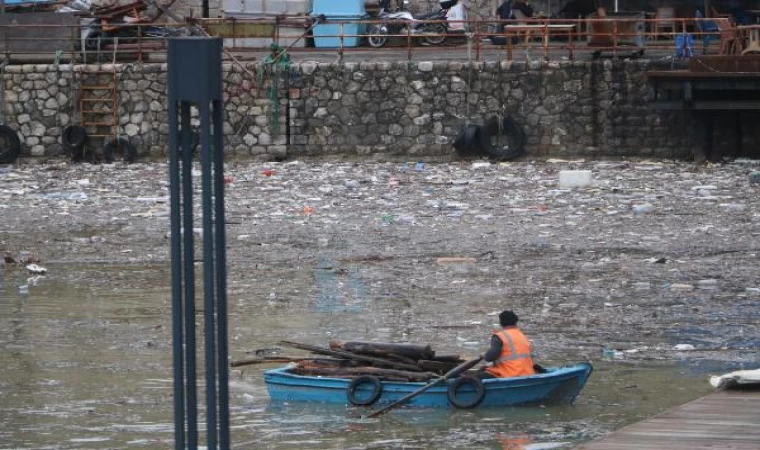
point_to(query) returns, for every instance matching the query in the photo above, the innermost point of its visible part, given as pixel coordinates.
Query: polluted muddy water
(86, 364)
(648, 271)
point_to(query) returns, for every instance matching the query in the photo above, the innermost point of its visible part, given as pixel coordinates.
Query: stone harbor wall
(380, 110)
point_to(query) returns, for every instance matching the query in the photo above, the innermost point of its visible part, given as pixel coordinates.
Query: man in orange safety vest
(510, 350)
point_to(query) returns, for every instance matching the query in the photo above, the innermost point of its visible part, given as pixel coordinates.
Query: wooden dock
(723, 420)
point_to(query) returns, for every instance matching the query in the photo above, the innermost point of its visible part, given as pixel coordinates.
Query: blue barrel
(341, 17)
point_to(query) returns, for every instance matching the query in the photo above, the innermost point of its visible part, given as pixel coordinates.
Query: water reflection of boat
(558, 385)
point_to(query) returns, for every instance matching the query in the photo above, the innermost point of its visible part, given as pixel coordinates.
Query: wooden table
(752, 34)
(546, 30)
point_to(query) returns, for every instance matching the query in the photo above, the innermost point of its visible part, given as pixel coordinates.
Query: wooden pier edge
(726, 420)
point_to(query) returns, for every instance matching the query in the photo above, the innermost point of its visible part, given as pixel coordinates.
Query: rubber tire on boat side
(480, 392)
(377, 389)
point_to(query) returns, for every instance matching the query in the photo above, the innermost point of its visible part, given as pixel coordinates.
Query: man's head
(507, 318)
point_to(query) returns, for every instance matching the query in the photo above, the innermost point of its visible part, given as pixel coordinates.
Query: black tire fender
(74, 137)
(119, 145)
(377, 390)
(10, 145)
(480, 392)
(508, 128)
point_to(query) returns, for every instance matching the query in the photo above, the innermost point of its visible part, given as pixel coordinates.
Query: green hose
(272, 65)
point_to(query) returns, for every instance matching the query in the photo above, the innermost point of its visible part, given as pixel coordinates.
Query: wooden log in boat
(325, 362)
(348, 355)
(353, 372)
(385, 349)
(438, 367)
(456, 359)
(265, 360)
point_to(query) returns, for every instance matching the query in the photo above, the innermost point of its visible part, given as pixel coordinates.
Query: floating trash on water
(644, 208)
(34, 268)
(683, 347)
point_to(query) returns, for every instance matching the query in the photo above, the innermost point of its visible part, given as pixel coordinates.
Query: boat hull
(559, 385)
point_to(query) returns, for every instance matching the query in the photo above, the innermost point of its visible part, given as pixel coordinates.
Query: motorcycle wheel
(437, 34)
(377, 36)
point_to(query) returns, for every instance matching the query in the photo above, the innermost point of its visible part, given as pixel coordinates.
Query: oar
(266, 360)
(450, 374)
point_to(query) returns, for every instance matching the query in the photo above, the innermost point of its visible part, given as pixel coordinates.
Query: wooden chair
(662, 23)
(522, 19)
(730, 41)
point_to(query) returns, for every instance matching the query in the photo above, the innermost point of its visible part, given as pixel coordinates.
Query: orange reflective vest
(515, 359)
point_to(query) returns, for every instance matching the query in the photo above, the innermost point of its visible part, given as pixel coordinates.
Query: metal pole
(189, 280)
(221, 275)
(176, 244)
(203, 90)
(208, 279)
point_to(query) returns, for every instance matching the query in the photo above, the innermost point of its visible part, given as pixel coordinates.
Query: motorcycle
(431, 27)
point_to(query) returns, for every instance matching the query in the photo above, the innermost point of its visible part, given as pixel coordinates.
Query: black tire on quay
(74, 137)
(506, 129)
(195, 141)
(439, 32)
(119, 145)
(377, 390)
(480, 392)
(377, 35)
(468, 140)
(94, 40)
(10, 145)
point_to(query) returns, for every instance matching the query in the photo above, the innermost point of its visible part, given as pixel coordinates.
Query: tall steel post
(195, 80)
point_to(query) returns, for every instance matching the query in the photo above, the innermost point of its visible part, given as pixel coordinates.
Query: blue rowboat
(558, 385)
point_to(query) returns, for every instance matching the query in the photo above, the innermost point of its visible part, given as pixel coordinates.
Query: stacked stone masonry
(381, 110)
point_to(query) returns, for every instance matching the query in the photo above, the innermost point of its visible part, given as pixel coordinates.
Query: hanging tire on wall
(10, 145)
(470, 400)
(376, 390)
(119, 146)
(502, 139)
(468, 141)
(74, 137)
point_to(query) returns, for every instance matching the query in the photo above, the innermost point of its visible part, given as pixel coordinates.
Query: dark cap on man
(507, 318)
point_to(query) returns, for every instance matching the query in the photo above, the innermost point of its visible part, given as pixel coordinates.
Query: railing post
(73, 44)
(570, 38)
(409, 42)
(342, 43)
(545, 39)
(139, 44)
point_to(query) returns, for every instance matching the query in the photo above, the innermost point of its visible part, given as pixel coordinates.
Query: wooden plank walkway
(723, 420)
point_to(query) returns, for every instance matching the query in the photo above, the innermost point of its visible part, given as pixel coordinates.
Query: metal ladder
(99, 101)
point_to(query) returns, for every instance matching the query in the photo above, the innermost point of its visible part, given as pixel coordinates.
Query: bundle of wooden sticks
(351, 359)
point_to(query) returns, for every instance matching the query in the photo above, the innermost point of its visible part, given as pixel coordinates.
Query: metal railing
(249, 38)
